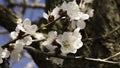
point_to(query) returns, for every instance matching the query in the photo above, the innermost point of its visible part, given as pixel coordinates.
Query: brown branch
(7, 18)
(49, 23)
(69, 57)
(12, 41)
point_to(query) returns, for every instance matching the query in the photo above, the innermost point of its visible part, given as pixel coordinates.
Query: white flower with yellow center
(73, 11)
(70, 41)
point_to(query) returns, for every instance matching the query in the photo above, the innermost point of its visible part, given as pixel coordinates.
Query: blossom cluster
(68, 42)
(23, 28)
(76, 11)
(58, 44)
(62, 44)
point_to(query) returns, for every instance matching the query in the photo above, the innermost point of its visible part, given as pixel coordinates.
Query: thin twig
(102, 61)
(111, 32)
(110, 57)
(50, 23)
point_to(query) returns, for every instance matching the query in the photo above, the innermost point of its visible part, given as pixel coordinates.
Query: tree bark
(106, 18)
(7, 18)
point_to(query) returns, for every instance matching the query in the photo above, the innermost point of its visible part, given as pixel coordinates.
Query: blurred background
(105, 22)
(33, 12)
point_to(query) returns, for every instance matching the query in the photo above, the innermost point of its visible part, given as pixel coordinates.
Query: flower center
(66, 43)
(51, 18)
(62, 13)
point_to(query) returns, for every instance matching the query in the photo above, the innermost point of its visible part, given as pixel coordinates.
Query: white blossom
(4, 53)
(27, 27)
(73, 11)
(39, 36)
(19, 44)
(54, 13)
(78, 24)
(70, 41)
(88, 1)
(84, 16)
(27, 40)
(45, 15)
(90, 12)
(82, 5)
(15, 55)
(19, 21)
(52, 35)
(14, 34)
(64, 6)
(18, 48)
(24, 26)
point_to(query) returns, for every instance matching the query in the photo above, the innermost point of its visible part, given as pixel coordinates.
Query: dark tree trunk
(106, 18)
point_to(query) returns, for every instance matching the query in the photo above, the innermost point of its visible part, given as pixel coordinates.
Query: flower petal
(5, 53)
(26, 22)
(81, 24)
(45, 15)
(27, 40)
(64, 6)
(15, 55)
(39, 36)
(19, 45)
(19, 21)
(13, 35)
(55, 12)
(84, 16)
